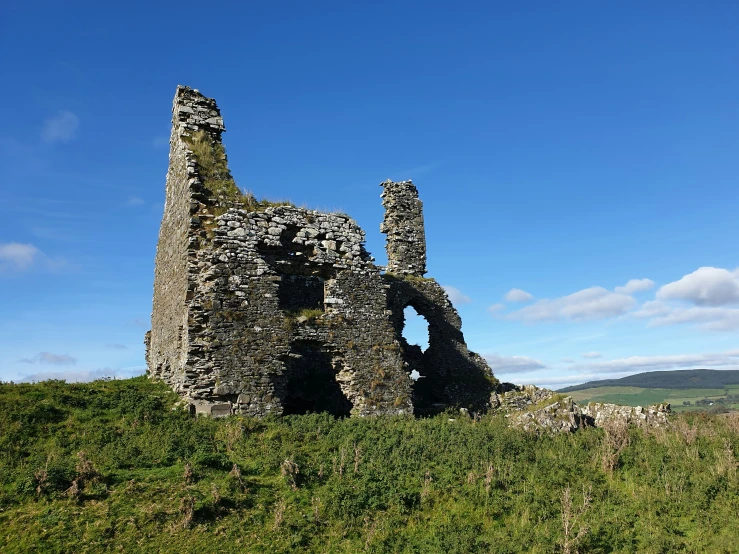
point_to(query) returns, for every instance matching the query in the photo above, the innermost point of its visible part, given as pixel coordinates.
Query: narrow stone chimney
(403, 225)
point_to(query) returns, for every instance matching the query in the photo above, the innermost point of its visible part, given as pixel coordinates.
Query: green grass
(629, 396)
(309, 313)
(644, 398)
(110, 466)
(697, 393)
(596, 392)
(213, 169)
(312, 316)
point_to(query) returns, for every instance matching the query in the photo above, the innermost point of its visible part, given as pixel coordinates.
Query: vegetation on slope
(714, 400)
(216, 177)
(110, 465)
(679, 379)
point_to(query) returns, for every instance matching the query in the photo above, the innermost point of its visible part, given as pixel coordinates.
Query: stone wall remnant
(542, 410)
(262, 308)
(403, 225)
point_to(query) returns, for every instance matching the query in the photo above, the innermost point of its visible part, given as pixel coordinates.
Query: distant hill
(680, 379)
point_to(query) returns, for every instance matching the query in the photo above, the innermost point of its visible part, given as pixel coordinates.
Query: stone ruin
(262, 308)
(542, 410)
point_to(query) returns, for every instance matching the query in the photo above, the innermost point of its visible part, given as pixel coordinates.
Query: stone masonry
(261, 308)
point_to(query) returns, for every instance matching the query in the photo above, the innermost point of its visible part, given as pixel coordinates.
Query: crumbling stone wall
(276, 309)
(450, 374)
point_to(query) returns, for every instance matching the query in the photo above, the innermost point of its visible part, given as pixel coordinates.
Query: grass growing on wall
(213, 169)
(215, 175)
(110, 466)
(311, 315)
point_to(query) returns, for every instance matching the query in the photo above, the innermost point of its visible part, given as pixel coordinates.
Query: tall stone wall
(263, 308)
(168, 345)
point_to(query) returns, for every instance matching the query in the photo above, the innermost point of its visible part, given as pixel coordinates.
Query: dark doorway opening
(310, 382)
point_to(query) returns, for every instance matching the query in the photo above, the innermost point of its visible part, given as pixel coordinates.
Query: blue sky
(577, 162)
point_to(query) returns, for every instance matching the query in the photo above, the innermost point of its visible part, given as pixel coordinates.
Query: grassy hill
(111, 466)
(685, 390)
(680, 379)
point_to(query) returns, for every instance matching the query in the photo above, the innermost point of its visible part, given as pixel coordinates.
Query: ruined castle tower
(264, 308)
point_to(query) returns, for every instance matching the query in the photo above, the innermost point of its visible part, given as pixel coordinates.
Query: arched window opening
(415, 329)
(428, 393)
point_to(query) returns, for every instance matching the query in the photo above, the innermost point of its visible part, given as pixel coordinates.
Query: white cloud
(565, 380)
(635, 285)
(713, 293)
(587, 304)
(572, 379)
(652, 308)
(636, 364)
(17, 256)
(456, 296)
(85, 376)
(592, 355)
(706, 286)
(60, 128)
(134, 201)
(512, 364)
(116, 347)
(614, 369)
(568, 360)
(50, 359)
(518, 295)
(712, 319)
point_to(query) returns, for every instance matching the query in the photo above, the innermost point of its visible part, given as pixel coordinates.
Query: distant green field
(697, 393)
(597, 392)
(643, 398)
(696, 399)
(629, 396)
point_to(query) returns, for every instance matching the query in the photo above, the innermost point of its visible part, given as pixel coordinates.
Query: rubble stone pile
(535, 409)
